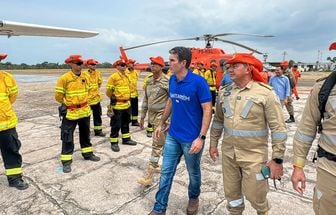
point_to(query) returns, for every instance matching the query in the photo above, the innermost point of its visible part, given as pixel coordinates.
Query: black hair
(182, 53)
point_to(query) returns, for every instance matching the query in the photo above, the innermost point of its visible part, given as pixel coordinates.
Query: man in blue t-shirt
(189, 107)
(281, 86)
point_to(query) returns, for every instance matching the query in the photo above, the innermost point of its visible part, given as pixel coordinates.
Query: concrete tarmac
(110, 185)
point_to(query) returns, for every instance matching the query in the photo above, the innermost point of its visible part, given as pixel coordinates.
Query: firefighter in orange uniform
(133, 76)
(245, 111)
(210, 77)
(297, 75)
(95, 82)
(72, 92)
(9, 140)
(119, 92)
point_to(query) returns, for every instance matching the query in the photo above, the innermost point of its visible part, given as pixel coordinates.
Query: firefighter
(95, 82)
(325, 190)
(133, 76)
(210, 77)
(291, 77)
(72, 92)
(154, 102)
(119, 92)
(246, 110)
(9, 140)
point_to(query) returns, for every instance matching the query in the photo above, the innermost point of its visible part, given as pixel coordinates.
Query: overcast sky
(303, 28)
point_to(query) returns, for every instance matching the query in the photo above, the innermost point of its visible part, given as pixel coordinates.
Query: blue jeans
(172, 152)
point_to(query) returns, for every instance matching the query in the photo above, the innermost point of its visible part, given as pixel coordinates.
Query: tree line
(44, 65)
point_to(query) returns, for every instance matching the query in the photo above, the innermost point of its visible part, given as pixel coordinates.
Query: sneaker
(192, 208)
(115, 147)
(19, 184)
(129, 142)
(67, 168)
(100, 134)
(93, 158)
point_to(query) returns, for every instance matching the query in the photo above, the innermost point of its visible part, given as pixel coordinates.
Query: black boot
(115, 147)
(99, 133)
(129, 142)
(291, 119)
(92, 157)
(18, 183)
(135, 123)
(66, 168)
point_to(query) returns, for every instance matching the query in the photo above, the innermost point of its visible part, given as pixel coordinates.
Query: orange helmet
(74, 59)
(119, 63)
(284, 63)
(3, 56)
(158, 60)
(91, 61)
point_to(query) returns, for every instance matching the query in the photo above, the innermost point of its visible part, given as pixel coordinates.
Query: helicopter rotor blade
(247, 34)
(164, 41)
(240, 45)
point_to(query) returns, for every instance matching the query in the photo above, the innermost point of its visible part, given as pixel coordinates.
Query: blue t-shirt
(281, 86)
(187, 96)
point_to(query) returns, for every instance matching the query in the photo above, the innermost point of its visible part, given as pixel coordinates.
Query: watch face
(202, 137)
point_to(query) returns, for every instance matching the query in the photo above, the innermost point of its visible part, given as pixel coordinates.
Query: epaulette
(321, 79)
(265, 85)
(225, 86)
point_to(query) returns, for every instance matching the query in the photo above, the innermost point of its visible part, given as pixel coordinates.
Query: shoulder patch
(265, 85)
(226, 86)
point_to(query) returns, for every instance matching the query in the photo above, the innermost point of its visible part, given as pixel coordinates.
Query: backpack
(323, 95)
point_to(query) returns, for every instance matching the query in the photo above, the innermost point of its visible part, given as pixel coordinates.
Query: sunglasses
(123, 64)
(79, 63)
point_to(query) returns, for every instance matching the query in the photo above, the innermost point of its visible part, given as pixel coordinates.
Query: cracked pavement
(110, 185)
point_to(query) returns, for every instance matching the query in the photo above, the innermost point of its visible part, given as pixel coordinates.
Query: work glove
(110, 112)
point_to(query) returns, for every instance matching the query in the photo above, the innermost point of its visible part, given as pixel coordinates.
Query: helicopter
(207, 55)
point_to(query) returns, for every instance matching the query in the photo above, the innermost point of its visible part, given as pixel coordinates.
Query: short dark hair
(182, 53)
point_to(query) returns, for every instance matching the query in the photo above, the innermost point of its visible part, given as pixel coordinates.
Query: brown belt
(71, 107)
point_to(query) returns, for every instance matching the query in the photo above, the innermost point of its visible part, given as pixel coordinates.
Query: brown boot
(262, 213)
(192, 208)
(147, 180)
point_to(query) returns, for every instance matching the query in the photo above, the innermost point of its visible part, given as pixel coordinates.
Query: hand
(286, 101)
(213, 151)
(196, 146)
(142, 122)
(276, 169)
(298, 176)
(110, 112)
(157, 132)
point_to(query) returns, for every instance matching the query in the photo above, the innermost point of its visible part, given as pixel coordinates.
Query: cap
(158, 60)
(91, 61)
(332, 46)
(257, 65)
(3, 56)
(118, 63)
(284, 63)
(74, 59)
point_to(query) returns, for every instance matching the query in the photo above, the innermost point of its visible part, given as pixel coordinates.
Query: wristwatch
(202, 137)
(278, 160)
